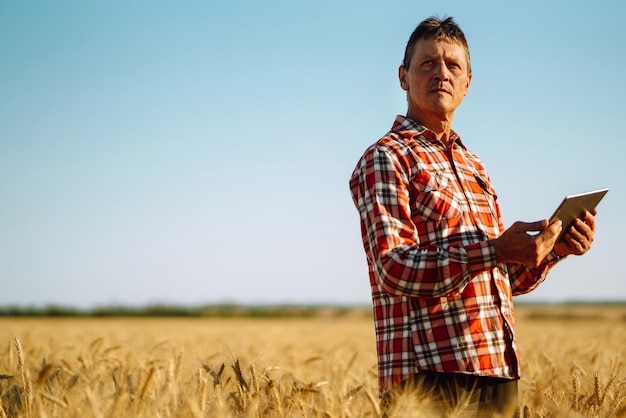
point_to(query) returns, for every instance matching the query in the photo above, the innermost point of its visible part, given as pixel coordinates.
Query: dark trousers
(431, 394)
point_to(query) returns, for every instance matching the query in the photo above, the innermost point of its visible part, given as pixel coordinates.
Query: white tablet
(574, 205)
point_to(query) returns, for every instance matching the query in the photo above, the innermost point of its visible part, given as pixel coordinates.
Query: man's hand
(517, 245)
(579, 237)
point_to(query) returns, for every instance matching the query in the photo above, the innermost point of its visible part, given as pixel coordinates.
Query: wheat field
(572, 366)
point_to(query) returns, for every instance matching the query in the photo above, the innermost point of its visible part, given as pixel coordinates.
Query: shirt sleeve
(524, 279)
(402, 264)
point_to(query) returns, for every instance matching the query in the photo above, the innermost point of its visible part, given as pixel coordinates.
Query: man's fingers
(590, 219)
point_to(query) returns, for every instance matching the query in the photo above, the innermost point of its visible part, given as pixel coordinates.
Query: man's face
(437, 78)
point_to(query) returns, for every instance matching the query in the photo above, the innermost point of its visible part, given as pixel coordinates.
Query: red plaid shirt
(428, 217)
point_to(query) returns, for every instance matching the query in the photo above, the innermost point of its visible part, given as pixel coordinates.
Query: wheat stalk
(254, 380)
(201, 393)
(20, 354)
(596, 386)
(25, 382)
(242, 381)
(129, 385)
(374, 403)
(146, 385)
(54, 399)
(575, 390)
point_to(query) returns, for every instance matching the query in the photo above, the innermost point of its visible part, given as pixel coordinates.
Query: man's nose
(441, 72)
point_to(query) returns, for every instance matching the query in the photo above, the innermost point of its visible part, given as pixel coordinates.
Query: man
(442, 267)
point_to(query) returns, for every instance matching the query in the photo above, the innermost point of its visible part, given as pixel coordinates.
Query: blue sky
(198, 152)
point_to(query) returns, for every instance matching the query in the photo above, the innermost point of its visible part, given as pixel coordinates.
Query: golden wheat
(320, 367)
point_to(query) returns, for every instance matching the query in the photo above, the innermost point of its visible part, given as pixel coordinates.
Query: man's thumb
(536, 226)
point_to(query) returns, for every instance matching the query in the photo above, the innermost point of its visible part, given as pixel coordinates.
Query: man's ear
(467, 86)
(402, 77)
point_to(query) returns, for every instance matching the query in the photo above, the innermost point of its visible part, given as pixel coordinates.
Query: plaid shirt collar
(403, 123)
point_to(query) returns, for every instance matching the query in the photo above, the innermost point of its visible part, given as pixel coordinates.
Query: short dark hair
(437, 28)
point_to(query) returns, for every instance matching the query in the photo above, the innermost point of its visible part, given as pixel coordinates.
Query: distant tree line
(218, 311)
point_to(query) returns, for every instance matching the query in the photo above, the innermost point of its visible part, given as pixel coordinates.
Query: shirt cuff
(552, 258)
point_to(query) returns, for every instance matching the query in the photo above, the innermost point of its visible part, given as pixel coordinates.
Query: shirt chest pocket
(486, 202)
(435, 196)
